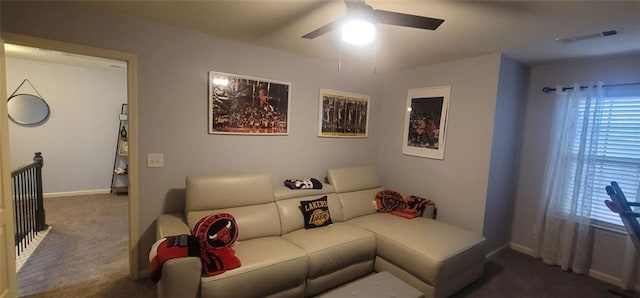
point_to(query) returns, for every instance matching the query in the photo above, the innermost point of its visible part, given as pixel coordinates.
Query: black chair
(620, 205)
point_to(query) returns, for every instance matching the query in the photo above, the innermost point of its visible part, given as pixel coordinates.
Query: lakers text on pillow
(315, 213)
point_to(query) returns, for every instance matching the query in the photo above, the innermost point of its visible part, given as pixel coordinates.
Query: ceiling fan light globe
(358, 32)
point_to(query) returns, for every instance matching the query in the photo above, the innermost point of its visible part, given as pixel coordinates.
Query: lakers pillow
(316, 213)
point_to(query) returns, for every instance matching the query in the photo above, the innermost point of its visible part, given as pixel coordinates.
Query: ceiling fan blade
(407, 20)
(320, 31)
(354, 3)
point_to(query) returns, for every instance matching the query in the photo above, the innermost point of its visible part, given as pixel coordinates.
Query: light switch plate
(155, 160)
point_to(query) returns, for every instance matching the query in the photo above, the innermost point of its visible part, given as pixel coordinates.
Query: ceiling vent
(587, 36)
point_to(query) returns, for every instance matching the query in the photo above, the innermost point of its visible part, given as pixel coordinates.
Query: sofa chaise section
(435, 257)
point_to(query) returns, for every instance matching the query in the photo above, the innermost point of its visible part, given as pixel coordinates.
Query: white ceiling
(524, 30)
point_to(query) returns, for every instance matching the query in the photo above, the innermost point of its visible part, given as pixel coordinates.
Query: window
(615, 155)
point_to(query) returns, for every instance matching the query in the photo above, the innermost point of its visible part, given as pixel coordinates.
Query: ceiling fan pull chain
(339, 55)
(375, 55)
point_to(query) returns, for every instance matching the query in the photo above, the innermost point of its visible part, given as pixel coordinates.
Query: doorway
(86, 220)
(131, 69)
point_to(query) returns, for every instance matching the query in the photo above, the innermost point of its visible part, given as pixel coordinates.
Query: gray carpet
(513, 274)
(85, 253)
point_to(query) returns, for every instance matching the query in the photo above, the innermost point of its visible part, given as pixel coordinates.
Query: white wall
(615, 69)
(78, 141)
(458, 184)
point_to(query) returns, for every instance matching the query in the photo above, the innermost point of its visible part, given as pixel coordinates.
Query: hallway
(85, 253)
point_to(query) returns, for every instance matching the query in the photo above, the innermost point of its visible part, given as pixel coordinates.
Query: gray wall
(474, 186)
(505, 150)
(172, 92)
(458, 184)
(617, 69)
(172, 76)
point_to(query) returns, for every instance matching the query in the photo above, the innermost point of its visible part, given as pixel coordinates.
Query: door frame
(8, 286)
(132, 100)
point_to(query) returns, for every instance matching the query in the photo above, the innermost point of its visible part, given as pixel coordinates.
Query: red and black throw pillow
(389, 200)
(216, 234)
(393, 202)
(216, 230)
(316, 213)
(414, 207)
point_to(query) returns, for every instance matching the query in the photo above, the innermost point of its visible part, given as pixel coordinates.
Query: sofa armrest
(430, 212)
(180, 278)
(170, 225)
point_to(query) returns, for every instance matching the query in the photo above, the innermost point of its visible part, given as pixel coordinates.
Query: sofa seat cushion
(334, 247)
(431, 250)
(261, 259)
(375, 222)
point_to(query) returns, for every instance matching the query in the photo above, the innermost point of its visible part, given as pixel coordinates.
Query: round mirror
(27, 109)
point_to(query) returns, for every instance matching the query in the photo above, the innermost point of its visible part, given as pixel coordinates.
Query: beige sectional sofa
(282, 259)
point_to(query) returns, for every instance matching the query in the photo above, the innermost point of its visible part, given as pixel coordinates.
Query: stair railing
(28, 205)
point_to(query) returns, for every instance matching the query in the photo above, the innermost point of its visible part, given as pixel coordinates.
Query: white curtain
(563, 222)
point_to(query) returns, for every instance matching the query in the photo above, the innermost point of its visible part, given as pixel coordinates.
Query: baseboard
(616, 281)
(521, 248)
(609, 279)
(495, 253)
(143, 274)
(77, 193)
(606, 278)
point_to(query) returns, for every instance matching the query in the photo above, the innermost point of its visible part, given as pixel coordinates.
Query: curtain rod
(549, 89)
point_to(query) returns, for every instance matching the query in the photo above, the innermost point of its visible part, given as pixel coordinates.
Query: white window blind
(616, 154)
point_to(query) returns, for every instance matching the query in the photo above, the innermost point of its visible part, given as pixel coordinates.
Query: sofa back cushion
(356, 188)
(248, 197)
(353, 178)
(253, 221)
(288, 203)
(358, 203)
(217, 192)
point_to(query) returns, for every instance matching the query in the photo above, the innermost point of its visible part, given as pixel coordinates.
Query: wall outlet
(155, 160)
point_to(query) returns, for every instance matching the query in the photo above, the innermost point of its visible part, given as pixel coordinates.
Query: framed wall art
(426, 121)
(343, 114)
(247, 105)
(123, 148)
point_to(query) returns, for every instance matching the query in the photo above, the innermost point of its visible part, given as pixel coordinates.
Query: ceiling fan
(357, 9)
